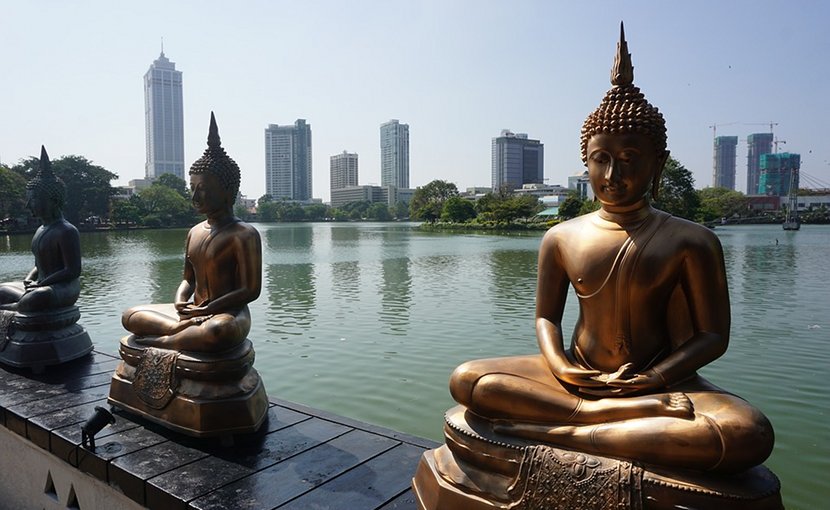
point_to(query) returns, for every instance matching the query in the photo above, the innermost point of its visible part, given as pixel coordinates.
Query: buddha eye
(627, 156)
(600, 157)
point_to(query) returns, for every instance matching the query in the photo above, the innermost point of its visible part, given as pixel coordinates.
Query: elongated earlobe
(655, 182)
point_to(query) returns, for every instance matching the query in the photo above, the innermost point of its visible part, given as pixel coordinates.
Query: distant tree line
(91, 199)
(269, 209)
(440, 201)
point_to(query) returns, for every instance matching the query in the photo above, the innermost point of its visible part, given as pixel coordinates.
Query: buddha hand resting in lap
(53, 282)
(653, 309)
(222, 269)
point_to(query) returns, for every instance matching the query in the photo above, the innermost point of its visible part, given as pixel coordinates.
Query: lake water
(368, 320)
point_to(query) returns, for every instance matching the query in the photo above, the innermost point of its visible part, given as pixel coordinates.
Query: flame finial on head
(623, 71)
(45, 181)
(213, 133)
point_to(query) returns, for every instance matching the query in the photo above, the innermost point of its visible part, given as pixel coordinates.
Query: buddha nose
(612, 173)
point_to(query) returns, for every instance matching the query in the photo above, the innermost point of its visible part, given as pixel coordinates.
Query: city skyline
(456, 73)
(164, 117)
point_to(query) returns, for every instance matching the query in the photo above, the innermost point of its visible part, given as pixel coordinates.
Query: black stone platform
(301, 458)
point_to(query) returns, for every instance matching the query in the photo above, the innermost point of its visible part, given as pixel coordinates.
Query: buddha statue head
(217, 172)
(625, 111)
(46, 192)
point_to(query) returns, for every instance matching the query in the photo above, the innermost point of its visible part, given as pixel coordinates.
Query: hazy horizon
(456, 72)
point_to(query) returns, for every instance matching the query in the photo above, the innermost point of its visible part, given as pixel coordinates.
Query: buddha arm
(185, 290)
(703, 280)
(31, 277)
(551, 293)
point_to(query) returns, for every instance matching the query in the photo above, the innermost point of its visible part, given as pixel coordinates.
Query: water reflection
(396, 293)
(291, 292)
(513, 281)
(344, 235)
(345, 284)
(295, 238)
(396, 285)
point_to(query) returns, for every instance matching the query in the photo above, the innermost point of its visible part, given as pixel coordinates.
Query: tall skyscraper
(757, 144)
(288, 161)
(164, 124)
(516, 160)
(723, 174)
(394, 154)
(779, 172)
(343, 170)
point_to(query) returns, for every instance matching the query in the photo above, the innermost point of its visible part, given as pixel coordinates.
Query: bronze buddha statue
(38, 319)
(207, 384)
(653, 310)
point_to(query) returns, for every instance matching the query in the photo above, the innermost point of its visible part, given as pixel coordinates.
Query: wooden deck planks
(302, 458)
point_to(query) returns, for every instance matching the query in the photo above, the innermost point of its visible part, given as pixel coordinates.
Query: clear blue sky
(456, 71)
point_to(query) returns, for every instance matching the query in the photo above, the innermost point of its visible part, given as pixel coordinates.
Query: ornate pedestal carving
(478, 469)
(37, 340)
(197, 394)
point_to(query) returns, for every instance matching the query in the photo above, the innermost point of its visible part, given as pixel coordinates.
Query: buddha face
(622, 167)
(39, 204)
(209, 196)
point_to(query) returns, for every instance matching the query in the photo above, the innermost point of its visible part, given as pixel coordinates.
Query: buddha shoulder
(690, 234)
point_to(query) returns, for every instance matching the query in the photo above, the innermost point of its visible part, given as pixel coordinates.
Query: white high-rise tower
(394, 154)
(164, 125)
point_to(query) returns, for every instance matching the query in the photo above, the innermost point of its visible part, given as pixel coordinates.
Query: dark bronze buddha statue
(38, 319)
(653, 310)
(206, 384)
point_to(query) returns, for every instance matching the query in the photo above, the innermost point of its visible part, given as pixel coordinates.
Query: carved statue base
(478, 469)
(38, 340)
(198, 394)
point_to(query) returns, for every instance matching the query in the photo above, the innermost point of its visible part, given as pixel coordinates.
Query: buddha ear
(658, 174)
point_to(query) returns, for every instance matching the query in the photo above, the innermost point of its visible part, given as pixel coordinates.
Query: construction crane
(776, 142)
(714, 127)
(770, 124)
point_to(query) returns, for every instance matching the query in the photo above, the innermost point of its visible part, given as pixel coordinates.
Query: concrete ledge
(301, 457)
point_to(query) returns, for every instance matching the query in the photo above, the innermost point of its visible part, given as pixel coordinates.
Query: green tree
(292, 211)
(401, 210)
(677, 194)
(378, 211)
(338, 214)
(316, 212)
(571, 206)
(588, 206)
(428, 200)
(88, 189)
(12, 195)
(175, 183)
(241, 212)
(716, 203)
(127, 212)
(267, 210)
(356, 210)
(164, 206)
(458, 210)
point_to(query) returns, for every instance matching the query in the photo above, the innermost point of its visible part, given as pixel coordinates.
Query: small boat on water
(791, 220)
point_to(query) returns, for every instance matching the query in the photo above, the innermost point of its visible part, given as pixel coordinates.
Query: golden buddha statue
(200, 340)
(653, 310)
(37, 316)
